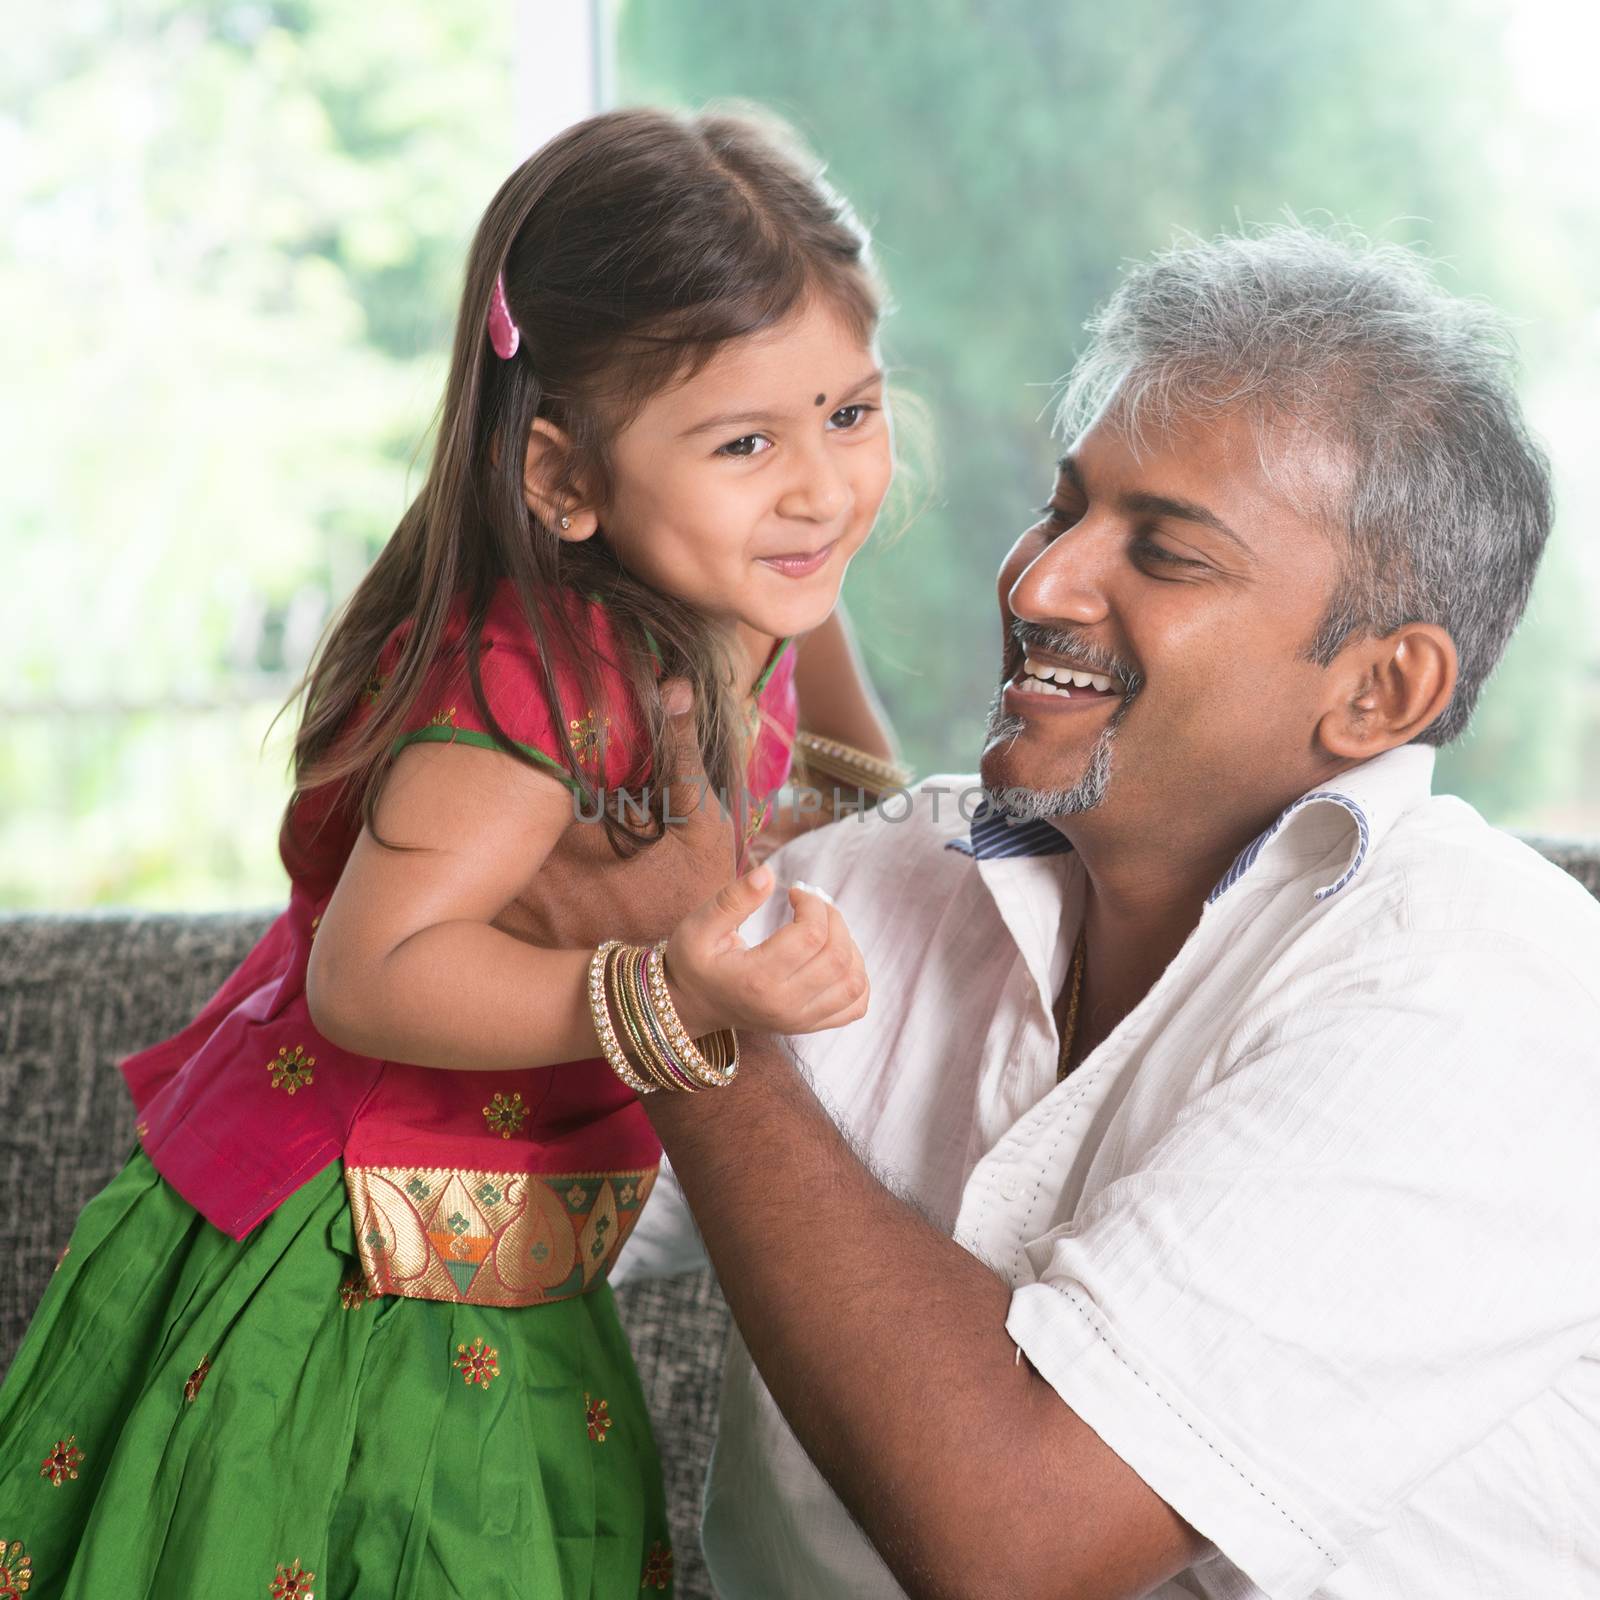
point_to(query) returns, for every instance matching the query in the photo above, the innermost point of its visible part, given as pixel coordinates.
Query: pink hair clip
(504, 334)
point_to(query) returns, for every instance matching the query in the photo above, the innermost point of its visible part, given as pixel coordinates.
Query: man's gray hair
(1445, 501)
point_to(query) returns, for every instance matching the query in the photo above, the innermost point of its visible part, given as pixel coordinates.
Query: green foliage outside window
(232, 245)
(234, 241)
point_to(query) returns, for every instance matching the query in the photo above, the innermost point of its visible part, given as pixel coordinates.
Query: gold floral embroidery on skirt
(490, 1238)
(478, 1363)
(16, 1569)
(63, 1461)
(657, 1567)
(292, 1583)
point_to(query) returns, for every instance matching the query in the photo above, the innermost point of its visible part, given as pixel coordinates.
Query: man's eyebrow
(1067, 466)
(1157, 505)
(1160, 505)
(735, 419)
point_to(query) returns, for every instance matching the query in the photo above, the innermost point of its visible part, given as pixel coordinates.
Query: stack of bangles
(639, 1030)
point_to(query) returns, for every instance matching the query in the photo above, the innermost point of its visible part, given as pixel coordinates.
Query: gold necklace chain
(1069, 1026)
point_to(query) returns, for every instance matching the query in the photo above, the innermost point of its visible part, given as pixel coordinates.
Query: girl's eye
(851, 416)
(752, 444)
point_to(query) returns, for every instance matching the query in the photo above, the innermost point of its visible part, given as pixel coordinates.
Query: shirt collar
(997, 833)
(1370, 796)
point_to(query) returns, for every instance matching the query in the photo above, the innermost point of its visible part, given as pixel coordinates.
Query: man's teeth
(1039, 679)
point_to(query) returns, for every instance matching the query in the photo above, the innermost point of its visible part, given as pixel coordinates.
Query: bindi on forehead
(819, 400)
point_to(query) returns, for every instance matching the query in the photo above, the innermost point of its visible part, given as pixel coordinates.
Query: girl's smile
(801, 564)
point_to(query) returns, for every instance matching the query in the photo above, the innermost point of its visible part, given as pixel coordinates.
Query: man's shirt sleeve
(1355, 1252)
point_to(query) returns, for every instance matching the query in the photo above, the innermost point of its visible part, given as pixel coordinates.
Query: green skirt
(194, 1416)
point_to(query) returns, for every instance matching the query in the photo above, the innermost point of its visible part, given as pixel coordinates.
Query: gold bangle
(725, 1040)
(626, 998)
(600, 1012)
(855, 768)
(659, 1026)
(620, 1000)
(653, 1051)
(648, 1034)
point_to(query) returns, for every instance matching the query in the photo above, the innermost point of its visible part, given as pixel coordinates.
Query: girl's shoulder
(567, 690)
(562, 616)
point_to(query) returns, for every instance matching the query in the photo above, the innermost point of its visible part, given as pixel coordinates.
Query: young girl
(341, 1326)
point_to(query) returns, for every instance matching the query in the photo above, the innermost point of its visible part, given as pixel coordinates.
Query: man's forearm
(882, 1341)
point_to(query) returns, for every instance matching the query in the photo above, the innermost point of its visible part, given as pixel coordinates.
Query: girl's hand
(807, 977)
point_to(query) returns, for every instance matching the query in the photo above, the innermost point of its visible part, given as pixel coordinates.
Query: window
(233, 240)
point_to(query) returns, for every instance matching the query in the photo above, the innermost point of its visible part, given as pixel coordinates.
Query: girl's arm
(835, 694)
(408, 966)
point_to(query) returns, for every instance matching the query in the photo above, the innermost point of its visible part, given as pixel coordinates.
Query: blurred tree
(232, 242)
(1009, 155)
(235, 236)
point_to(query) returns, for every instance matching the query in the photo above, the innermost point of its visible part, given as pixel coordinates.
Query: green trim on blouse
(772, 665)
(443, 733)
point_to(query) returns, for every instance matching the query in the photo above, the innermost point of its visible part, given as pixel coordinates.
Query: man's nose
(1065, 581)
(816, 490)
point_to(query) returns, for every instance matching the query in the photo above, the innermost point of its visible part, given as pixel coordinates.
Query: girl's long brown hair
(632, 247)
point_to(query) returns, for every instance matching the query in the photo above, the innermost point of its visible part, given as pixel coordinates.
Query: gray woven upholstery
(79, 992)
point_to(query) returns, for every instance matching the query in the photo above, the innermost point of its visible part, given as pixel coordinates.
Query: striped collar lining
(997, 835)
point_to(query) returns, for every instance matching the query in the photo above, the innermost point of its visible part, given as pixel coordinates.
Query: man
(1216, 1203)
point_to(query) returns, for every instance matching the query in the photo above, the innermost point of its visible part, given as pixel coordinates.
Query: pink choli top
(489, 1188)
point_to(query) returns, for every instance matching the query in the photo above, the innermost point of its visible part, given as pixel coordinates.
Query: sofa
(77, 992)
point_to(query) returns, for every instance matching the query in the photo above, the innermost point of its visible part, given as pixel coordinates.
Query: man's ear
(546, 490)
(1388, 691)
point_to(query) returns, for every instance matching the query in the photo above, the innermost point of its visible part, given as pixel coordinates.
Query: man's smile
(1045, 677)
(1045, 687)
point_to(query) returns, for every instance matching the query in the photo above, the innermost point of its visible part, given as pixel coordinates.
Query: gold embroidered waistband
(491, 1238)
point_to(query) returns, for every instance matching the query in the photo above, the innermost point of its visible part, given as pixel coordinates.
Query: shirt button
(1010, 1189)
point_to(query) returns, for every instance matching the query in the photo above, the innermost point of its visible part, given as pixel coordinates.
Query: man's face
(1193, 584)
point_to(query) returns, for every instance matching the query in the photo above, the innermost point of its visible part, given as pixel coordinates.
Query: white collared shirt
(1312, 1240)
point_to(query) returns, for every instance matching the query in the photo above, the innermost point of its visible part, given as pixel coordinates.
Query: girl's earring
(566, 522)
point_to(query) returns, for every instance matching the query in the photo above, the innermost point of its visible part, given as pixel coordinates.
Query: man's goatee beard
(1036, 805)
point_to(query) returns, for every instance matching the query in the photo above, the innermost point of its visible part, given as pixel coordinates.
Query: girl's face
(746, 490)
